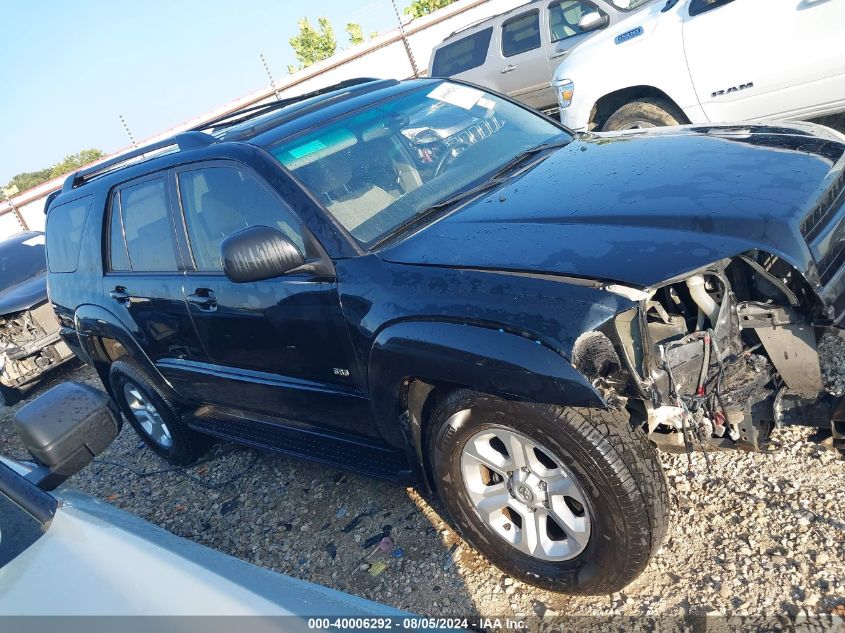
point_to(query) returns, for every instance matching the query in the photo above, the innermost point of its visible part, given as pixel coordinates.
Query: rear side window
(221, 201)
(119, 255)
(140, 228)
(466, 53)
(521, 33)
(65, 224)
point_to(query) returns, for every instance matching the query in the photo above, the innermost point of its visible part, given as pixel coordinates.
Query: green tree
(312, 44)
(419, 8)
(29, 179)
(75, 161)
(355, 33)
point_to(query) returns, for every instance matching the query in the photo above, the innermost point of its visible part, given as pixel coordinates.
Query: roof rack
(249, 112)
(196, 138)
(184, 141)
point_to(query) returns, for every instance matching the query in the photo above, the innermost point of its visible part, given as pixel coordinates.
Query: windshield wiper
(519, 159)
(499, 177)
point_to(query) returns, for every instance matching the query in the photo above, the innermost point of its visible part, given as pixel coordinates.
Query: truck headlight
(564, 89)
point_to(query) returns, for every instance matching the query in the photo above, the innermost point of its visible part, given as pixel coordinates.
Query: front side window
(466, 53)
(221, 201)
(146, 229)
(380, 167)
(702, 6)
(521, 33)
(565, 16)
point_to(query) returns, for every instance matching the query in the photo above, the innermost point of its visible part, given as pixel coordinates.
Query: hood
(641, 207)
(26, 294)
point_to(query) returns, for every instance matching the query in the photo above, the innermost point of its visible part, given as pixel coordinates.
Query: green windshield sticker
(309, 148)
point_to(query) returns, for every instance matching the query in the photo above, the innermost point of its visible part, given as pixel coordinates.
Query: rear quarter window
(65, 224)
(465, 54)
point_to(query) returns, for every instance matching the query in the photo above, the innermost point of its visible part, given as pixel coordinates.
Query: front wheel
(567, 499)
(644, 113)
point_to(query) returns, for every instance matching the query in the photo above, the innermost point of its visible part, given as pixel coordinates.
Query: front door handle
(508, 68)
(204, 299)
(558, 54)
(119, 294)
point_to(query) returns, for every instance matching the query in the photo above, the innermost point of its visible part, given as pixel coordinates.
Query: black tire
(9, 395)
(614, 463)
(652, 112)
(186, 445)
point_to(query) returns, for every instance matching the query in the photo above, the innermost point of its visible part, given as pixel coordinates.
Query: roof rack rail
(184, 141)
(249, 112)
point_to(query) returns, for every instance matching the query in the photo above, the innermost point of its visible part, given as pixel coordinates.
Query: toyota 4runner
(429, 283)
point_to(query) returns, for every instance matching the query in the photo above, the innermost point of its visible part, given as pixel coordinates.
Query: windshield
(21, 259)
(378, 167)
(627, 5)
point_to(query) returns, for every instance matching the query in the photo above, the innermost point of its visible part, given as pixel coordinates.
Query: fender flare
(488, 360)
(92, 321)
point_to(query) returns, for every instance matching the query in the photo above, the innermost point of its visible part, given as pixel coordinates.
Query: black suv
(429, 283)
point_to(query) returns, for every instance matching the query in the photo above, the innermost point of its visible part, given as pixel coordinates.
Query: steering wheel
(449, 157)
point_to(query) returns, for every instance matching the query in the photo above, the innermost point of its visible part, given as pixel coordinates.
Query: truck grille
(825, 209)
(831, 263)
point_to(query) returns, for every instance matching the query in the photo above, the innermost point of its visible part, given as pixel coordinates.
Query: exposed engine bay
(721, 357)
(29, 345)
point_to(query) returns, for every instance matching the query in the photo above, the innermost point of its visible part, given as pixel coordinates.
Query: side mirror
(259, 253)
(64, 429)
(593, 21)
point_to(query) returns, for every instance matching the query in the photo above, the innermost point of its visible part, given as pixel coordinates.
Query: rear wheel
(644, 113)
(568, 499)
(154, 416)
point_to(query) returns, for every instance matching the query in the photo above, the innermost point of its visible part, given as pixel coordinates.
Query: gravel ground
(758, 535)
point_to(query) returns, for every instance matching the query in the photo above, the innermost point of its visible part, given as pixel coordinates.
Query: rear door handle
(558, 54)
(119, 294)
(204, 299)
(508, 68)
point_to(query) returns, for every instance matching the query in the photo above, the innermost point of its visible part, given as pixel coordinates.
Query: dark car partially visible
(29, 332)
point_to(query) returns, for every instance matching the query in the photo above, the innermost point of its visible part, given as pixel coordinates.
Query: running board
(349, 453)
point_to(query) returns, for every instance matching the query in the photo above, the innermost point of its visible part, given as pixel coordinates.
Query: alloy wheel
(147, 416)
(525, 494)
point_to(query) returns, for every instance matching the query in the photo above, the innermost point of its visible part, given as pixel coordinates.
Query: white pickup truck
(699, 61)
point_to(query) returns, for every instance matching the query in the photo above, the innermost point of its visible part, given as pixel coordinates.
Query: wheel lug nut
(543, 485)
(524, 469)
(506, 527)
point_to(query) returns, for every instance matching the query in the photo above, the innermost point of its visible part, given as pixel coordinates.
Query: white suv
(697, 61)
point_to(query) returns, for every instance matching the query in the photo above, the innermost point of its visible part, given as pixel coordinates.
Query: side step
(346, 452)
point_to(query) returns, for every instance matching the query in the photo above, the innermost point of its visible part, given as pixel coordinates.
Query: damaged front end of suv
(30, 343)
(722, 356)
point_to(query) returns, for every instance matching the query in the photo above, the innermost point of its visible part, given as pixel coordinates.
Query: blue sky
(68, 69)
